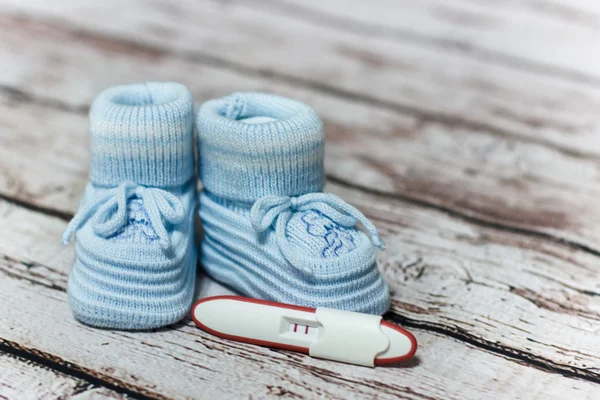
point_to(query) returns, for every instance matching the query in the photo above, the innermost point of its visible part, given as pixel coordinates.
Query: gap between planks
(465, 217)
(25, 378)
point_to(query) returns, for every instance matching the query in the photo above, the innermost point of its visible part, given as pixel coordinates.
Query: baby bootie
(135, 262)
(270, 232)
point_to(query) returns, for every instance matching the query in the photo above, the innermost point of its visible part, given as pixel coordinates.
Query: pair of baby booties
(269, 230)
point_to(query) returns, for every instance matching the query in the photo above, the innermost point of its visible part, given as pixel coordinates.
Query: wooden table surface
(467, 131)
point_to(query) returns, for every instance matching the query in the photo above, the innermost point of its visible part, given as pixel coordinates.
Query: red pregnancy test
(327, 333)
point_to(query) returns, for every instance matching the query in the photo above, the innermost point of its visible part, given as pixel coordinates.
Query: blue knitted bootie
(270, 232)
(135, 262)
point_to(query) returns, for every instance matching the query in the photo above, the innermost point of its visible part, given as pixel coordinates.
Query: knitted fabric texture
(270, 232)
(135, 262)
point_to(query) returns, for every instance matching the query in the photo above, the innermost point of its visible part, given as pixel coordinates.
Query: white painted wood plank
(497, 179)
(556, 37)
(24, 380)
(433, 85)
(183, 361)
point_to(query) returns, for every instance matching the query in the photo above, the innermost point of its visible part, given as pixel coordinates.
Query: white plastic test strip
(345, 336)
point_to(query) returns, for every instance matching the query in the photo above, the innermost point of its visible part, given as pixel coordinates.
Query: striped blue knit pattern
(135, 248)
(269, 231)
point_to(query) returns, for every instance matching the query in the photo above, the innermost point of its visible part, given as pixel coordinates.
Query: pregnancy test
(345, 336)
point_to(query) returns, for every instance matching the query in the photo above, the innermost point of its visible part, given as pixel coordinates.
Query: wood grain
(24, 380)
(514, 33)
(503, 291)
(392, 74)
(56, 118)
(517, 296)
(182, 361)
(495, 180)
(466, 135)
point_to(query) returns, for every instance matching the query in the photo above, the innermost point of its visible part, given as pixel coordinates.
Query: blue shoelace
(110, 212)
(278, 210)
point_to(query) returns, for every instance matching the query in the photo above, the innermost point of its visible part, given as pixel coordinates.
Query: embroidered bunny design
(338, 240)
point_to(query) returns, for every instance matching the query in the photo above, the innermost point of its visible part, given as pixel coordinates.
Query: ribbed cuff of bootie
(143, 133)
(252, 145)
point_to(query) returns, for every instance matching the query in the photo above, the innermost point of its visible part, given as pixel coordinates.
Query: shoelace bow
(278, 210)
(110, 212)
